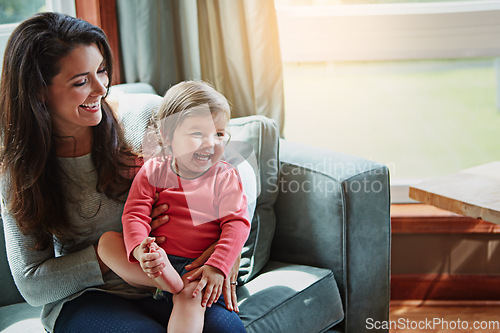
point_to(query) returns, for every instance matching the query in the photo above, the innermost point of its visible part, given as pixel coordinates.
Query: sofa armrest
(333, 211)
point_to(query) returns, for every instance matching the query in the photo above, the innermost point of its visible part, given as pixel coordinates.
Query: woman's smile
(91, 107)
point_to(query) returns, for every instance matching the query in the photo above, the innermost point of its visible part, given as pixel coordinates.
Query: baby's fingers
(152, 265)
(154, 271)
(147, 241)
(207, 296)
(194, 275)
(150, 260)
(199, 287)
(216, 292)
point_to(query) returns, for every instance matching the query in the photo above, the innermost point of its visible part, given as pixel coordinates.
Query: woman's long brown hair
(32, 59)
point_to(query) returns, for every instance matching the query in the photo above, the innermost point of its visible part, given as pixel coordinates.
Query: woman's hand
(151, 263)
(201, 260)
(157, 216)
(229, 287)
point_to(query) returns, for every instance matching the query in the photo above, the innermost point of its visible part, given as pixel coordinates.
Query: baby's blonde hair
(182, 100)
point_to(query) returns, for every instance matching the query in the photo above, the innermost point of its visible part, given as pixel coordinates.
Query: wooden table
(473, 192)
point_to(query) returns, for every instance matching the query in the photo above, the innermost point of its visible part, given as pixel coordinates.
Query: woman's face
(74, 95)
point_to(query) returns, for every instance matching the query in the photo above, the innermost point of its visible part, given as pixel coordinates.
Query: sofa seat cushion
(20, 317)
(290, 298)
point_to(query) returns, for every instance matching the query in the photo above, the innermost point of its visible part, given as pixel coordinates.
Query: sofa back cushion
(253, 148)
(256, 138)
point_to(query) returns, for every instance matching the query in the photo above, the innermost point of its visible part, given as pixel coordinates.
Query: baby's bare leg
(187, 315)
(112, 252)
(169, 280)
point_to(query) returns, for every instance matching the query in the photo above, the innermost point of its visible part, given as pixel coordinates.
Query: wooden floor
(444, 317)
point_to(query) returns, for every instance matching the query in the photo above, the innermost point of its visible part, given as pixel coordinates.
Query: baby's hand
(149, 255)
(153, 247)
(212, 280)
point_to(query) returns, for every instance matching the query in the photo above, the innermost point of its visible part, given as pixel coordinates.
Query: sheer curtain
(232, 44)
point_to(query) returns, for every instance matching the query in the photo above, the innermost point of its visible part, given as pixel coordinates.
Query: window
(411, 85)
(14, 11)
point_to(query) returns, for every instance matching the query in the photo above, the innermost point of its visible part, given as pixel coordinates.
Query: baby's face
(198, 143)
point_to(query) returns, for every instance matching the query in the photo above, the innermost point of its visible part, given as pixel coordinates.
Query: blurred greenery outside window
(423, 118)
(15, 11)
(12, 12)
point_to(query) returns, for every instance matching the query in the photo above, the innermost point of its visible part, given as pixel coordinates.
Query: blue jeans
(179, 263)
(97, 311)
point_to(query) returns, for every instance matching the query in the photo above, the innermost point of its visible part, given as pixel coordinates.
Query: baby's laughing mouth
(202, 157)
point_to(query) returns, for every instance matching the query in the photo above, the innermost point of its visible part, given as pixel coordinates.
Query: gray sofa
(318, 255)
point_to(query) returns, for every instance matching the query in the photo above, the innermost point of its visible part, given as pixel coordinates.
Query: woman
(66, 170)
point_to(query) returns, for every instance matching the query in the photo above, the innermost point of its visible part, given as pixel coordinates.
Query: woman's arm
(41, 277)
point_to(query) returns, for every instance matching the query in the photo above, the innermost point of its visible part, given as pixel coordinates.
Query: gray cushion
(256, 138)
(290, 298)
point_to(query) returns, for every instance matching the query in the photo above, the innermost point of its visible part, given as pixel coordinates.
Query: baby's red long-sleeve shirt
(208, 209)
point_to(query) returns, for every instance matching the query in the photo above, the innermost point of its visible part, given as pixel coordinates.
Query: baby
(207, 205)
